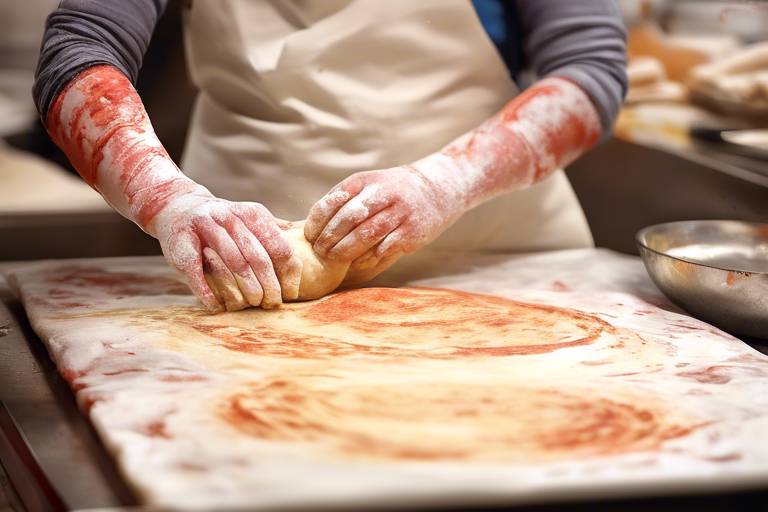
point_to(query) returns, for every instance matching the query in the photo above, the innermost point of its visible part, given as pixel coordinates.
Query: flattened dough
(319, 276)
(362, 393)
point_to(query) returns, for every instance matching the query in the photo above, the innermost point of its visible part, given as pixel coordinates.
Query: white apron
(296, 95)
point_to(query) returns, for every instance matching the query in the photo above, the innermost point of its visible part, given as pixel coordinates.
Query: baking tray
(55, 460)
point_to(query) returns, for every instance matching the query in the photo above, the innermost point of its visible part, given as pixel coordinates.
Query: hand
(232, 254)
(370, 219)
(373, 218)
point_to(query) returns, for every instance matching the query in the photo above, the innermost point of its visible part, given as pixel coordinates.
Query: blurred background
(687, 145)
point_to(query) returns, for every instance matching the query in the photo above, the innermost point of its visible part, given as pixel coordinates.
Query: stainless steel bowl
(716, 270)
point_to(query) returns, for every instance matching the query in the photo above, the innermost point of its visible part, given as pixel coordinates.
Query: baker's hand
(232, 253)
(372, 218)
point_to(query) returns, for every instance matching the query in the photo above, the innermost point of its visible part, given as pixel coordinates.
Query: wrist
(446, 182)
(100, 123)
(544, 128)
(155, 206)
(481, 165)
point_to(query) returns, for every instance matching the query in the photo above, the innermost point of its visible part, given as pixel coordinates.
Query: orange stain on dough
(445, 420)
(442, 419)
(449, 420)
(113, 283)
(413, 322)
(385, 323)
(155, 429)
(710, 375)
(723, 373)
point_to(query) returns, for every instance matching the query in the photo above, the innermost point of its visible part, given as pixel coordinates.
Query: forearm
(544, 128)
(583, 41)
(80, 34)
(374, 217)
(100, 123)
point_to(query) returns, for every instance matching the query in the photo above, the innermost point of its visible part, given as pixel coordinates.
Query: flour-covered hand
(233, 254)
(374, 217)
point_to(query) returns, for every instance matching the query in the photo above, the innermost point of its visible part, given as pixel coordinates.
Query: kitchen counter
(59, 435)
(625, 186)
(30, 236)
(65, 454)
(9, 502)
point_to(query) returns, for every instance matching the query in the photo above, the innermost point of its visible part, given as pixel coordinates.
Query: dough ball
(319, 276)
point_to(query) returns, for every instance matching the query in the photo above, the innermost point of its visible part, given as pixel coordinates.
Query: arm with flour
(232, 254)
(374, 217)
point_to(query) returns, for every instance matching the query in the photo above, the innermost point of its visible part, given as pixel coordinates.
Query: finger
(392, 244)
(365, 261)
(395, 242)
(357, 275)
(289, 275)
(380, 257)
(365, 236)
(220, 240)
(260, 262)
(286, 265)
(220, 278)
(185, 255)
(211, 282)
(324, 210)
(361, 207)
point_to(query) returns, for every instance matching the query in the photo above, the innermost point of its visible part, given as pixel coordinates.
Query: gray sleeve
(83, 33)
(582, 40)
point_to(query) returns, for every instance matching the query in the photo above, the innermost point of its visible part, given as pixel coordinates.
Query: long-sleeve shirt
(582, 40)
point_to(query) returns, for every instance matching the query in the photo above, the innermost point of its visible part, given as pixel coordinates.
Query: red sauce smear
(484, 422)
(155, 429)
(114, 283)
(408, 322)
(723, 374)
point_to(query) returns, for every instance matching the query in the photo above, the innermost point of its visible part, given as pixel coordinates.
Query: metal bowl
(716, 270)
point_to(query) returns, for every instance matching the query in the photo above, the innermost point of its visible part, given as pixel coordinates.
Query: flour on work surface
(506, 379)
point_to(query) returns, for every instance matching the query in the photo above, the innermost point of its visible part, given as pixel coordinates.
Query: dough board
(509, 380)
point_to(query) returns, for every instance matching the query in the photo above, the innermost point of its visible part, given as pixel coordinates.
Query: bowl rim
(642, 232)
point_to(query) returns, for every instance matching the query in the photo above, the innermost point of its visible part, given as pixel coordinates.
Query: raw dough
(319, 276)
(407, 392)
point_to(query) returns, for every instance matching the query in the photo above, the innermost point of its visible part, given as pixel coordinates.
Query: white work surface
(657, 402)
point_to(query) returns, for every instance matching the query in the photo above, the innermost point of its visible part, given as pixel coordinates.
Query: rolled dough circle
(319, 276)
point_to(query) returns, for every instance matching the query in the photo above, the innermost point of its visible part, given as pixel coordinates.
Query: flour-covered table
(503, 380)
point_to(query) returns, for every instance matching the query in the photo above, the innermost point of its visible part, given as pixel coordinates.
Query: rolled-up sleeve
(83, 33)
(583, 41)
